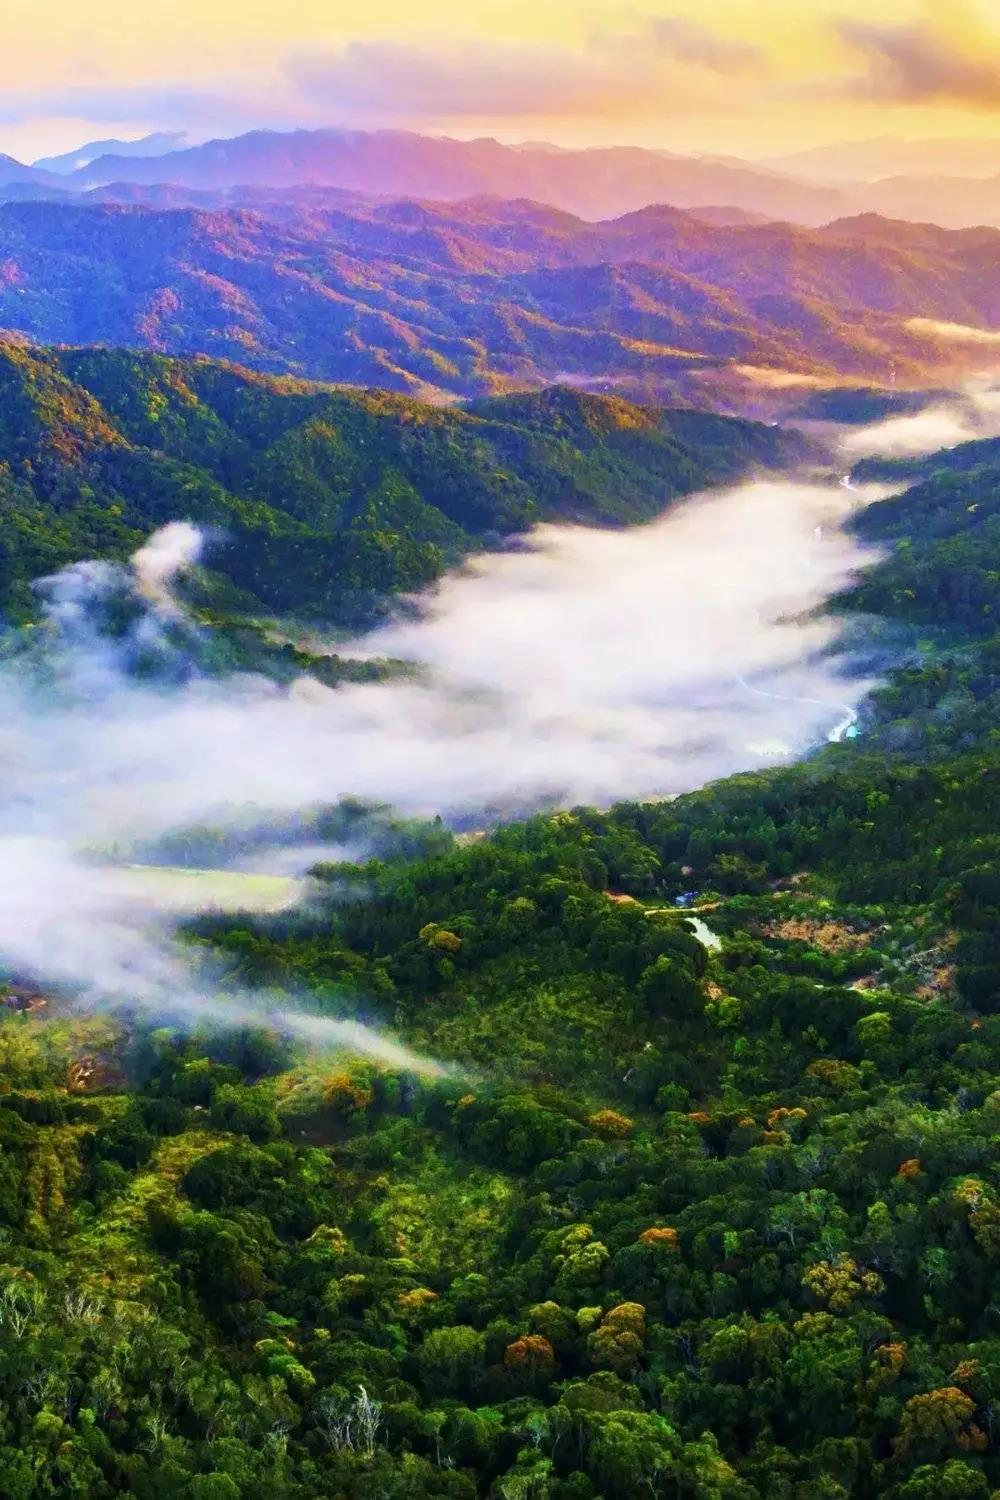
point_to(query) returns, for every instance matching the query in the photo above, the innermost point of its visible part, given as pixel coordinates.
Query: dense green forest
(698, 1220)
(945, 534)
(322, 500)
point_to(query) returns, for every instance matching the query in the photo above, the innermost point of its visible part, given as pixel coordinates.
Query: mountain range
(486, 296)
(688, 1187)
(596, 183)
(948, 182)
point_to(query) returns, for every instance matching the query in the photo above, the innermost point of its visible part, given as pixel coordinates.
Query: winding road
(841, 730)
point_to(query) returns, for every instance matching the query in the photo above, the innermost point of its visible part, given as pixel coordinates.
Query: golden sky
(740, 76)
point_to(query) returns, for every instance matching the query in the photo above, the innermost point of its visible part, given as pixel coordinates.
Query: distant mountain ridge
(597, 183)
(949, 202)
(952, 183)
(156, 144)
(16, 173)
(887, 156)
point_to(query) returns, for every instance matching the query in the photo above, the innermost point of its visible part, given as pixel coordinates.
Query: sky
(747, 77)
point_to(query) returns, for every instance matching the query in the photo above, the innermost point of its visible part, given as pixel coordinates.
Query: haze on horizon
(748, 77)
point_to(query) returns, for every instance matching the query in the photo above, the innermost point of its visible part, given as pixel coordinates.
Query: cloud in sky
(919, 63)
(690, 42)
(669, 62)
(664, 65)
(148, 106)
(695, 76)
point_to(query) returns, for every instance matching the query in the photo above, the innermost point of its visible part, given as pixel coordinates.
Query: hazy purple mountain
(952, 202)
(888, 156)
(157, 144)
(15, 172)
(596, 184)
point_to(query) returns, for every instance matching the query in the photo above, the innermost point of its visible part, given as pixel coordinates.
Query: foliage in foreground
(680, 1223)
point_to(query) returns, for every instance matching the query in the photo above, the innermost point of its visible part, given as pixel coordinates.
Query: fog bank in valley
(943, 423)
(582, 666)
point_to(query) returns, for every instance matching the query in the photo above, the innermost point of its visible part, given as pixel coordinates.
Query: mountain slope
(326, 500)
(944, 532)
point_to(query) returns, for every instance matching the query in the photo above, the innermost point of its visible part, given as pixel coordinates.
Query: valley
(459, 1098)
(500, 754)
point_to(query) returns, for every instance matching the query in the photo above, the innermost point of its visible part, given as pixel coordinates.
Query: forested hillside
(699, 1222)
(945, 535)
(323, 501)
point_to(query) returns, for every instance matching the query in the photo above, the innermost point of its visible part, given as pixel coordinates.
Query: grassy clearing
(203, 890)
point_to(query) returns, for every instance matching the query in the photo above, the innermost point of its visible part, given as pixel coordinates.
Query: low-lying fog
(944, 423)
(584, 666)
